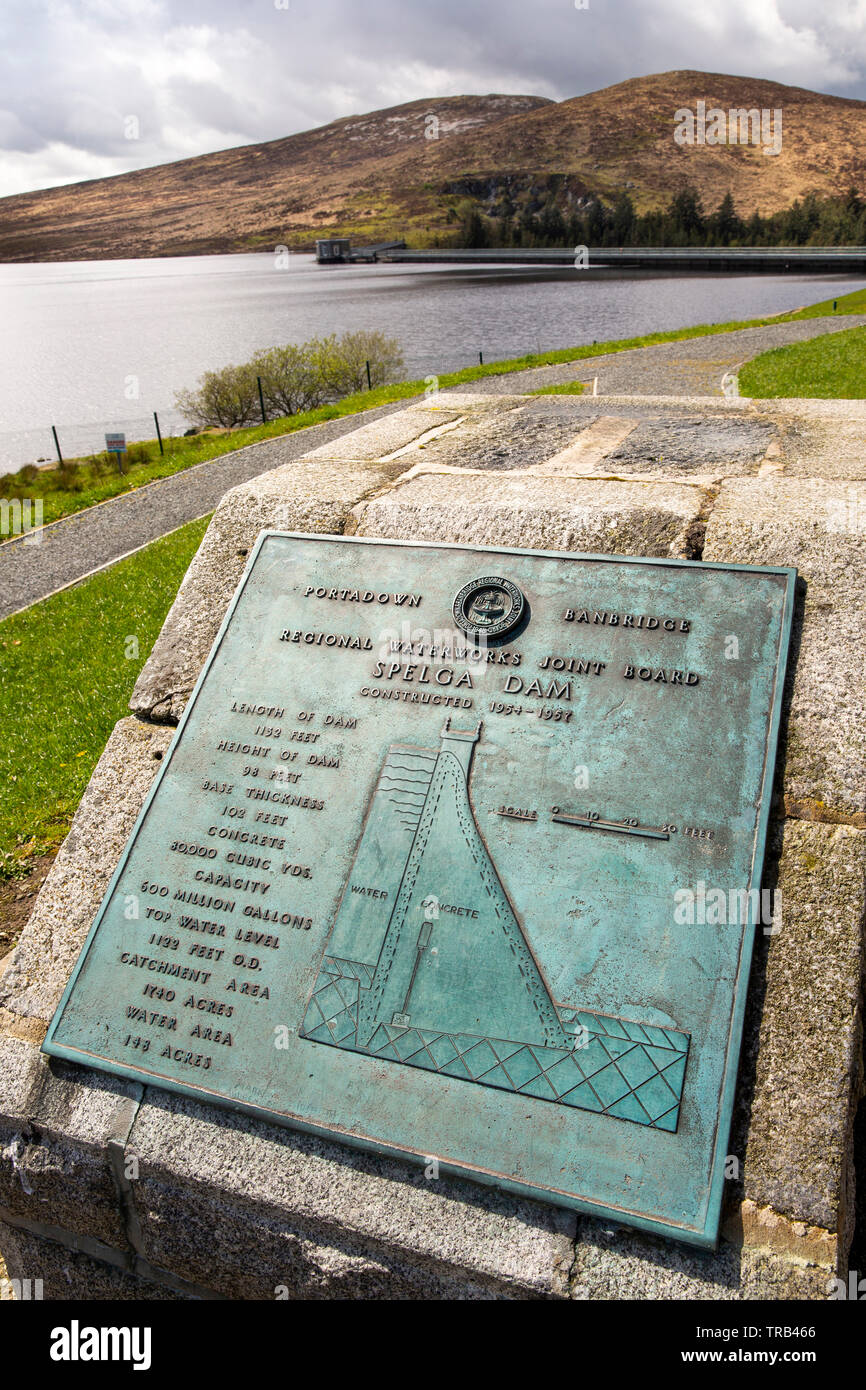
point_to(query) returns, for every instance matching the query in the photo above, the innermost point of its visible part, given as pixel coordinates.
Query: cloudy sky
(95, 87)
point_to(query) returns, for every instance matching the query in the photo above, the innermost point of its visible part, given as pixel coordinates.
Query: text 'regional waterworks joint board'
(456, 854)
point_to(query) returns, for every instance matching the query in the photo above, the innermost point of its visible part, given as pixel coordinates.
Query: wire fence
(45, 444)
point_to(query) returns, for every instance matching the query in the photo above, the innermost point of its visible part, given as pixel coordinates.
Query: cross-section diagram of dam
(427, 963)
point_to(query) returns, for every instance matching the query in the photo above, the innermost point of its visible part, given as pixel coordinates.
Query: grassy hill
(377, 176)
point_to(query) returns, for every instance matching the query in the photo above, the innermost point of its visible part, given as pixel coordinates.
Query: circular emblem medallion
(490, 606)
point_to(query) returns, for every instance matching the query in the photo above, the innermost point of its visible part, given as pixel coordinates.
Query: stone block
(512, 437)
(56, 1124)
(819, 439)
(385, 436)
(613, 1264)
(539, 513)
(31, 985)
(70, 1273)
(820, 527)
(243, 1206)
(801, 1059)
(706, 443)
(815, 524)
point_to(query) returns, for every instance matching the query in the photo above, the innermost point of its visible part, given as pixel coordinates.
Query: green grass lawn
(87, 482)
(830, 367)
(67, 668)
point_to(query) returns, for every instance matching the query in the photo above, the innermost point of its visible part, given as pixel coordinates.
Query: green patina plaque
(457, 854)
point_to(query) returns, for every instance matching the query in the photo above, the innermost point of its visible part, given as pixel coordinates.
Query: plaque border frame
(705, 1235)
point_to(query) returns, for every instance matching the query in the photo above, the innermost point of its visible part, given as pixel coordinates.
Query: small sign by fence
(115, 443)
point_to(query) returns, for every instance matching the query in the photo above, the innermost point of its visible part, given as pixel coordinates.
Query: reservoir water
(91, 346)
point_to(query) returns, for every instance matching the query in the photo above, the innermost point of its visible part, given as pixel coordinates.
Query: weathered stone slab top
(523, 437)
(318, 492)
(813, 438)
(386, 436)
(509, 438)
(694, 443)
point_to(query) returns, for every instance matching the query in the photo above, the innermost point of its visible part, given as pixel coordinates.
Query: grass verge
(67, 491)
(67, 668)
(830, 367)
(853, 303)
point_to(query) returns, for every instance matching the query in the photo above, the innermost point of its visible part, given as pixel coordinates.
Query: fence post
(481, 359)
(158, 432)
(262, 401)
(369, 382)
(57, 444)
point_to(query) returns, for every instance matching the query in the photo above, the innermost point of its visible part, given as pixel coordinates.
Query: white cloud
(202, 75)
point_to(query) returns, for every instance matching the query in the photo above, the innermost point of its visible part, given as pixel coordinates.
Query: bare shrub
(346, 363)
(294, 378)
(223, 398)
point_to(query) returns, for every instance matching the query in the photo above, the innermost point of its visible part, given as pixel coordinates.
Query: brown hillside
(376, 176)
(623, 136)
(248, 198)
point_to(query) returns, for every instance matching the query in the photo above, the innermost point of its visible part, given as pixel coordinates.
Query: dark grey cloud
(92, 87)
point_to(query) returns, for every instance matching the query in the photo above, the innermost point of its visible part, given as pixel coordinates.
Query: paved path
(80, 544)
(691, 367)
(77, 545)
